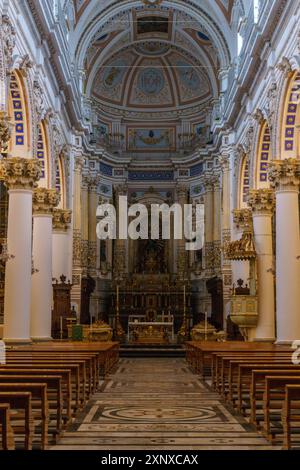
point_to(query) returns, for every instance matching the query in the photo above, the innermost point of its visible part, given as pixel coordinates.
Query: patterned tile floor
(158, 404)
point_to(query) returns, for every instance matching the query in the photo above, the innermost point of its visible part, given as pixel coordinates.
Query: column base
(43, 339)
(17, 341)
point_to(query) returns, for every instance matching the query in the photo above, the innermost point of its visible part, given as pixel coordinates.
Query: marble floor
(158, 404)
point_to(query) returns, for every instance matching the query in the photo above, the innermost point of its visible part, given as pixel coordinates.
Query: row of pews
(43, 386)
(259, 380)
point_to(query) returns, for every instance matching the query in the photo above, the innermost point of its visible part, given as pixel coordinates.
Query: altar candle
(205, 328)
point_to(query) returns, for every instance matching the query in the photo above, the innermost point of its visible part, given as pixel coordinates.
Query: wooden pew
(39, 394)
(289, 418)
(78, 375)
(245, 376)
(86, 361)
(226, 368)
(54, 392)
(203, 352)
(7, 434)
(221, 364)
(258, 388)
(38, 372)
(21, 401)
(273, 398)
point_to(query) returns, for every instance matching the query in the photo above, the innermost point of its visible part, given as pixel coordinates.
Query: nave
(158, 404)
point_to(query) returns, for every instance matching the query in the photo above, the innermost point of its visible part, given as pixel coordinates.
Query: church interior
(140, 344)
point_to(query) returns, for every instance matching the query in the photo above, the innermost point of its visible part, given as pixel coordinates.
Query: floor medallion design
(158, 404)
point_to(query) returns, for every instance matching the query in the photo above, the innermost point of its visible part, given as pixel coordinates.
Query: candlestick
(61, 327)
(205, 327)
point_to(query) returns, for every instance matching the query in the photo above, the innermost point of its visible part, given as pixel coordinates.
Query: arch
(19, 113)
(244, 182)
(43, 155)
(60, 185)
(290, 137)
(263, 156)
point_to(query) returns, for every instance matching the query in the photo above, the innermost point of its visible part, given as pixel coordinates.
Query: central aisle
(157, 404)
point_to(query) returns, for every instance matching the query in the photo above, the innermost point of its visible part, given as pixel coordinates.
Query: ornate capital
(285, 174)
(262, 200)
(20, 173)
(44, 201)
(242, 219)
(61, 219)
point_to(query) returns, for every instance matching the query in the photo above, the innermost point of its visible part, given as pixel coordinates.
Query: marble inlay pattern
(158, 404)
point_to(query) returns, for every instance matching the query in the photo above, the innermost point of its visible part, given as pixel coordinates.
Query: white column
(44, 200)
(61, 244)
(285, 175)
(20, 175)
(262, 202)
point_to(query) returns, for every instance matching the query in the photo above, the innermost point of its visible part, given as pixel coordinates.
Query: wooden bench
(290, 414)
(7, 434)
(273, 399)
(200, 353)
(39, 394)
(258, 388)
(21, 401)
(54, 393)
(38, 372)
(221, 365)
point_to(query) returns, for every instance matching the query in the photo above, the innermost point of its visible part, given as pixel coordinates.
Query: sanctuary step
(152, 350)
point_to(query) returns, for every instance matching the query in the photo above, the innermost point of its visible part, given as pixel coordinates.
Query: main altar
(141, 330)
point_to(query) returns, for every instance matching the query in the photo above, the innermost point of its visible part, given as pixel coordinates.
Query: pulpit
(61, 307)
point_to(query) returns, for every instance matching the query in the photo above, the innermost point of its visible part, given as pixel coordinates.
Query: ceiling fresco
(152, 67)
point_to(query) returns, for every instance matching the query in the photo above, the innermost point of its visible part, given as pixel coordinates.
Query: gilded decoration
(5, 132)
(20, 173)
(262, 200)
(241, 250)
(242, 218)
(61, 219)
(77, 248)
(285, 174)
(44, 201)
